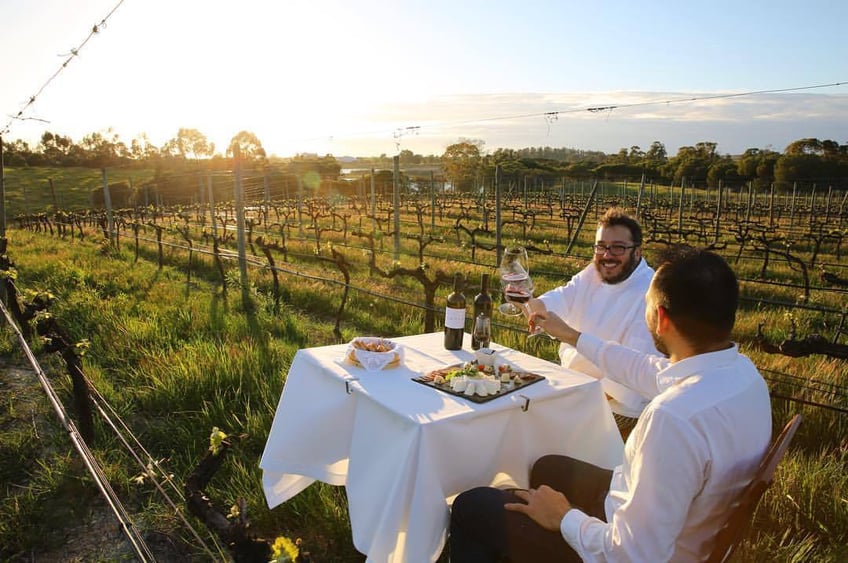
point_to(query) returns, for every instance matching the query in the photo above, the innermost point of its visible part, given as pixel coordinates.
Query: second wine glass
(514, 272)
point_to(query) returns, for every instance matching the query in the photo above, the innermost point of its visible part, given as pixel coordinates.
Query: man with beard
(607, 299)
(696, 446)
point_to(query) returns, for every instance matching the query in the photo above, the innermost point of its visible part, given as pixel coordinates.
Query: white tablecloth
(404, 450)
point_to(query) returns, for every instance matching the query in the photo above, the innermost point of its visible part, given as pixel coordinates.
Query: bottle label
(454, 318)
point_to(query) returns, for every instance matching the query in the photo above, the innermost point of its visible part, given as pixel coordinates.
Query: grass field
(28, 189)
(175, 357)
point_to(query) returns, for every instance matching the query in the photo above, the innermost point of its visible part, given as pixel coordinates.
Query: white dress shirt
(695, 447)
(612, 312)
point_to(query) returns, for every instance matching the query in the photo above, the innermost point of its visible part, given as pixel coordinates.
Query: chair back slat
(742, 511)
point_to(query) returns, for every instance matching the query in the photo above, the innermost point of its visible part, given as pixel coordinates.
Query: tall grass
(173, 364)
(176, 358)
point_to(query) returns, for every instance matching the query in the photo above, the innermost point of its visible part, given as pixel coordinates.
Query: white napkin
(375, 361)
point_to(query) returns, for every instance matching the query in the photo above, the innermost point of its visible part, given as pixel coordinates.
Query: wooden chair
(742, 510)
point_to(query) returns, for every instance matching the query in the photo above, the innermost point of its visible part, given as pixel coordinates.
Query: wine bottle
(482, 304)
(455, 316)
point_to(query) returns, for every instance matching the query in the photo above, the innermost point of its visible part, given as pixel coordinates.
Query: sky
(371, 77)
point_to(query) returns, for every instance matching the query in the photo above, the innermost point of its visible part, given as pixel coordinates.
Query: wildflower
(234, 513)
(216, 439)
(82, 346)
(148, 473)
(10, 274)
(284, 550)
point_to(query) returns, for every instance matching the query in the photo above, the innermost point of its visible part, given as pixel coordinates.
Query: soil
(92, 531)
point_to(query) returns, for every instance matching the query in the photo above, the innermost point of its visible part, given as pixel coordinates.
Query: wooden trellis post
(771, 206)
(750, 201)
(107, 199)
(373, 202)
(639, 196)
(827, 205)
(240, 226)
(680, 207)
(432, 202)
(718, 212)
(300, 205)
(2, 193)
(396, 203)
(582, 218)
(267, 195)
(498, 245)
(211, 199)
(813, 205)
(53, 193)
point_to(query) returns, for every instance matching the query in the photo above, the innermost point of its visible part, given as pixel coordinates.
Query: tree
(101, 150)
(636, 155)
(804, 146)
(461, 162)
(407, 157)
(693, 163)
(141, 149)
(758, 165)
(17, 153)
(55, 148)
(656, 155)
(192, 143)
(250, 147)
(722, 171)
(327, 167)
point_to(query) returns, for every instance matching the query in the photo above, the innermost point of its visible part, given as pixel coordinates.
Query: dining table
(404, 450)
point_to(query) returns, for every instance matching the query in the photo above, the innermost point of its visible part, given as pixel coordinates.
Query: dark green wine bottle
(482, 304)
(455, 316)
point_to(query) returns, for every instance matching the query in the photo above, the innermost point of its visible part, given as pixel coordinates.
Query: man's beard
(659, 344)
(628, 268)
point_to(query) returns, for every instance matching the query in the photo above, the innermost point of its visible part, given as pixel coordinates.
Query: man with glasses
(607, 298)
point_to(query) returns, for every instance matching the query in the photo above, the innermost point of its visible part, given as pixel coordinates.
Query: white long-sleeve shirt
(609, 311)
(697, 444)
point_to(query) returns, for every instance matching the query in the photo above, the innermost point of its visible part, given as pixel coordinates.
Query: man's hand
(554, 326)
(545, 506)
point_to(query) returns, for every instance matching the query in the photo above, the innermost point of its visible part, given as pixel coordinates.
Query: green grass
(177, 358)
(187, 361)
(28, 188)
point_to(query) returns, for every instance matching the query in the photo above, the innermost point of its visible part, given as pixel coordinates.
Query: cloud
(608, 121)
(603, 121)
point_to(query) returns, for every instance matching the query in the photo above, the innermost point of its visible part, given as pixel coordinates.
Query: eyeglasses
(613, 249)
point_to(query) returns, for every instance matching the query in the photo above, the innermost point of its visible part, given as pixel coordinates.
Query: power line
(74, 52)
(551, 115)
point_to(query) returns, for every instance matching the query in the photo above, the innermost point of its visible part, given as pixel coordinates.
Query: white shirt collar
(678, 371)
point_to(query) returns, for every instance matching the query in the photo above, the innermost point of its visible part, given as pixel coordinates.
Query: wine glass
(515, 274)
(521, 292)
(518, 287)
(482, 330)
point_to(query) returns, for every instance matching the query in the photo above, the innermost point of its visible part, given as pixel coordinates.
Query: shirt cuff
(589, 346)
(569, 526)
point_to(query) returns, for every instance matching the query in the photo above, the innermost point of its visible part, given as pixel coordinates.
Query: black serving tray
(527, 378)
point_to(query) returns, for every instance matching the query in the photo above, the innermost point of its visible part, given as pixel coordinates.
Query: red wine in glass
(517, 296)
(514, 283)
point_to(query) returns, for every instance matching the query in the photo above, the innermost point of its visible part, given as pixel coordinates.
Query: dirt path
(77, 523)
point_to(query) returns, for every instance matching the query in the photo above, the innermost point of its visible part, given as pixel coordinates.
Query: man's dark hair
(699, 291)
(616, 216)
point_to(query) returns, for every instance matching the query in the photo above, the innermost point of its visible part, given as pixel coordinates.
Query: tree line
(805, 162)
